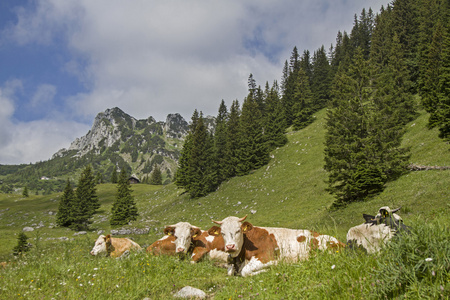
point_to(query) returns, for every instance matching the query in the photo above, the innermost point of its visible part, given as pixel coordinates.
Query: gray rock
(190, 292)
(80, 233)
(26, 229)
(100, 232)
(253, 211)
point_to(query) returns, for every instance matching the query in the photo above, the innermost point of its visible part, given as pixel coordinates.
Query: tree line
(369, 82)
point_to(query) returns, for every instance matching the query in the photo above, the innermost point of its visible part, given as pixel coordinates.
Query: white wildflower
(333, 266)
(428, 259)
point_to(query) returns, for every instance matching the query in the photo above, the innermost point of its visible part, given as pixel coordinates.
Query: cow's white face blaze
(183, 233)
(100, 246)
(233, 236)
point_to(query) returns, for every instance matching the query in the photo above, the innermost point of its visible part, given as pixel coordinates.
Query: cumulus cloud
(152, 58)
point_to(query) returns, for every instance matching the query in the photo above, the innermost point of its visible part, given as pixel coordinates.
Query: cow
(114, 247)
(201, 243)
(251, 248)
(377, 230)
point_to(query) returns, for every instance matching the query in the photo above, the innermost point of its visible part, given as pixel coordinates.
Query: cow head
(102, 244)
(233, 231)
(183, 233)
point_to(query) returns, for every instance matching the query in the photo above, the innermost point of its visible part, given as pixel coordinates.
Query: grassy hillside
(288, 192)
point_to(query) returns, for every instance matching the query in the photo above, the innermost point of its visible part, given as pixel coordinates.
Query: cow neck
(238, 261)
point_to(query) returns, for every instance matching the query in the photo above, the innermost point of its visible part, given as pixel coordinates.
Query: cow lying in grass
(185, 239)
(377, 230)
(113, 247)
(252, 248)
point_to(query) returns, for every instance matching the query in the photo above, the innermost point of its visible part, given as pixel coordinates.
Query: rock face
(116, 137)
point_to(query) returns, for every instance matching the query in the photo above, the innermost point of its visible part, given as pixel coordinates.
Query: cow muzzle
(230, 248)
(180, 250)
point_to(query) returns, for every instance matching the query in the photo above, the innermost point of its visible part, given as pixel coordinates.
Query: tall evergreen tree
(274, 121)
(303, 101)
(66, 206)
(232, 139)
(86, 202)
(124, 208)
(351, 175)
(182, 175)
(220, 142)
(252, 152)
(321, 80)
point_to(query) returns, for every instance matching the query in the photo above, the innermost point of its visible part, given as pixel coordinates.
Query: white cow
(113, 247)
(183, 233)
(377, 230)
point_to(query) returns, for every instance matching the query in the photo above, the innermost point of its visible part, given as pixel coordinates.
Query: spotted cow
(377, 230)
(185, 239)
(251, 248)
(113, 247)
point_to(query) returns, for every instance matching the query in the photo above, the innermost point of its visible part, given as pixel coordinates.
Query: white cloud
(152, 58)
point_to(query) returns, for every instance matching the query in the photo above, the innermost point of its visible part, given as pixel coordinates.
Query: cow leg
(255, 266)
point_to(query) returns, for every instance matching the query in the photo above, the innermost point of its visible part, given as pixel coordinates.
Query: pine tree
(321, 80)
(303, 102)
(156, 176)
(275, 123)
(66, 206)
(124, 208)
(22, 244)
(220, 141)
(232, 140)
(114, 175)
(86, 202)
(252, 151)
(182, 175)
(351, 175)
(25, 192)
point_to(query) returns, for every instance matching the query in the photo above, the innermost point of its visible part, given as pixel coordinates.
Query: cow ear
(246, 227)
(108, 238)
(368, 218)
(214, 231)
(169, 230)
(195, 232)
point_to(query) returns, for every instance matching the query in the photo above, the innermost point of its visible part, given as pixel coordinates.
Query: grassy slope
(288, 192)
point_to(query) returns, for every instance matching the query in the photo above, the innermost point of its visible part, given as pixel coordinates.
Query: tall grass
(402, 269)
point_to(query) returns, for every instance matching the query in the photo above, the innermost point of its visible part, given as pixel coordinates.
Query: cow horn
(242, 219)
(395, 210)
(217, 222)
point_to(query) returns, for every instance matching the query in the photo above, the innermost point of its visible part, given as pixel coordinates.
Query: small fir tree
(66, 206)
(22, 244)
(124, 207)
(156, 176)
(25, 192)
(114, 175)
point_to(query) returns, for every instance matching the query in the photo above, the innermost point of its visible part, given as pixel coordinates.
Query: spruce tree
(124, 207)
(303, 101)
(232, 138)
(22, 244)
(321, 80)
(66, 206)
(25, 192)
(86, 202)
(220, 141)
(274, 121)
(351, 175)
(182, 175)
(252, 152)
(443, 110)
(114, 175)
(156, 176)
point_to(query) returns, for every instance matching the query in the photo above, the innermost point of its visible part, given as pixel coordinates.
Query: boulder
(190, 292)
(26, 229)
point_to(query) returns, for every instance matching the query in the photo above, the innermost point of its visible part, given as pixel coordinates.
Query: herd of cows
(248, 249)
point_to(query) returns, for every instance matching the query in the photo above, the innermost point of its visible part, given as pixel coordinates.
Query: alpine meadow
(345, 132)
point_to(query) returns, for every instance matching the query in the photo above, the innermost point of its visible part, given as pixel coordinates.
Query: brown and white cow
(253, 248)
(201, 244)
(113, 247)
(377, 230)
(183, 232)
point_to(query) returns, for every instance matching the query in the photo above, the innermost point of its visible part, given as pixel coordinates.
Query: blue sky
(62, 62)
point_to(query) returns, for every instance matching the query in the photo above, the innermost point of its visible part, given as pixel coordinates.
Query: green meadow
(288, 192)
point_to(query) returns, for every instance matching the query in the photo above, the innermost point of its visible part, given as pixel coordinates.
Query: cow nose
(92, 252)
(180, 249)
(231, 247)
